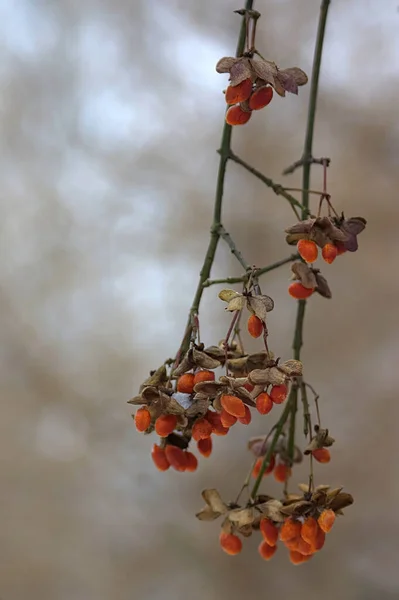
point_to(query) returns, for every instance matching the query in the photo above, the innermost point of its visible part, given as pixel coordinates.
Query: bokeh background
(110, 115)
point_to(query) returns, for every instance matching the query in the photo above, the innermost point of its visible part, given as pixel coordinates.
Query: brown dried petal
(150, 394)
(157, 378)
(242, 516)
(297, 74)
(210, 388)
(276, 377)
(292, 368)
(259, 360)
(244, 395)
(319, 497)
(240, 71)
(201, 359)
(260, 306)
(246, 530)
(293, 238)
(297, 508)
(224, 64)
(257, 446)
(198, 407)
(227, 295)
(303, 227)
(321, 440)
(214, 500)
(322, 286)
(207, 514)
(264, 69)
(137, 401)
(237, 303)
(174, 408)
(279, 87)
(340, 501)
(326, 225)
(332, 493)
(233, 382)
(237, 365)
(287, 82)
(305, 274)
(186, 365)
(215, 352)
(272, 510)
(259, 376)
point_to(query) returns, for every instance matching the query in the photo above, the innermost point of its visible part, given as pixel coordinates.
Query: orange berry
(176, 457)
(227, 419)
(303, 547)
(216, 422)
(329, 253)
(266, 551)
(249, 387)
(278, 393)
(261, 97)
(233, 405)
(259, 463)
(202, 429)
(299, 292)
(165, 424)
(309, 531)
(236, 116)
(239, 93)
(282, 472)
(159, 457)
(264, 403)
(205, 447)
(269, 531)
(142, 419)
(204, 375)
(246, 419)
(340, 246)
(307, 250)
(320, 539)
(290, 530)
(297, 559)
(326, 520)
(185, 383)
(230, 543)
(191, 462)
(255, 326)
(322, 455)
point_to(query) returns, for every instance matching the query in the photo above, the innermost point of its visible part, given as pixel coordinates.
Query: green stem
(257, 272)
(291, 406)
(233, 248)
(225, 149)
(314, 86)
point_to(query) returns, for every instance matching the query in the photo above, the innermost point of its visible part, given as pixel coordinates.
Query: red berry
(165, 424)
(236, 116)
(227, 419)
(239, 93)
(299, 292)
(322, 455)
(233, 405)
(202, 429)
(282, 472)
(308, 250)
(246, 419)
(264, 403)
(185, 383)
(191, 462)
(205, 447)
(269, 531)
(255, 326)
(297, 558)
(230, 543)
(329, 253)
(261, 97)
(176, 457)
(266, 551)
(259, 463)
(326, 520)
(159, 457)
(204, 376)
(278, 393)
(142, 419)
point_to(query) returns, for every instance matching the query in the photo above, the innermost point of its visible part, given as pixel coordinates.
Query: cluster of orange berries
(308, 250)
(281, 471)
(244, 98)
(303, 537)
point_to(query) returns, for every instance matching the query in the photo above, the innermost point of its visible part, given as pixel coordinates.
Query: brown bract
(311, 278)
(258, 305)
(328, 230)
(231, 386)
(261, 72)
(322, 439)
(312, 505)
(196, 356)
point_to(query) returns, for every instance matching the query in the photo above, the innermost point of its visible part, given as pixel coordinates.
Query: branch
(234, 250)
(255, 272)
(276, 187)
(225, 149)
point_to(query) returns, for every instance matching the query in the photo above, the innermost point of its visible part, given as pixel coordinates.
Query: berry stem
(258, 272)
(234, 250)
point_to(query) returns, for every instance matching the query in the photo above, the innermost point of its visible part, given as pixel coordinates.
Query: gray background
(110, 115)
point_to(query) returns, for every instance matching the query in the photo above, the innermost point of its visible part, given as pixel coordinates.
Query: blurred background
(110, 114)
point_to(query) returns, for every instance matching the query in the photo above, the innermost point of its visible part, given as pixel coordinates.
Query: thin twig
(276, 187)
(233, 248)
(257, 272)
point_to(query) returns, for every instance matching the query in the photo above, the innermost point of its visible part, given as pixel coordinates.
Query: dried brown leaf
(242, 516)
(198, 407)
(340, 501)
(224, 64)
(203, 360)
(207, 514)
(305, 274)
(297, 509)
(322, 286)
(264, 69)
(214, 500)
(298, 75)
(272, 510)
(137, 401)
(186, 365)
(292, 368)
(227, 295)
(260, 305)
